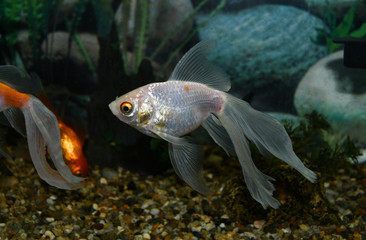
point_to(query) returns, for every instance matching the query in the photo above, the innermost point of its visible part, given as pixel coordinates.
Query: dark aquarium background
(301, 61)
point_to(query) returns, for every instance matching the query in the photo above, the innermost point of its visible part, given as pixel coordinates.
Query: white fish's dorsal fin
(19, 80)
(195, 67)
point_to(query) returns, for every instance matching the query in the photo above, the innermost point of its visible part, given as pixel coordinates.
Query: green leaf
(104, 15)
(345, 26)
(361, 32)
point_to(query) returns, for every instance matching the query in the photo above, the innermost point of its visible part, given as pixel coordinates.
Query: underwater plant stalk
(178, 28)
(140, 32)
(202, 24)
(126, 10)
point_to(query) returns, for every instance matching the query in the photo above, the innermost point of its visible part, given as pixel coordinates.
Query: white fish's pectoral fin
(37, 150)
(187, 159)
(219, 134)
(16, 120)
(194, 67)
(47, 124)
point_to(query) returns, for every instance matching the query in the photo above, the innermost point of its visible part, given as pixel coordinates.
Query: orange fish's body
(11, 98)
(71, 144)
(41, 125)
(72, 150)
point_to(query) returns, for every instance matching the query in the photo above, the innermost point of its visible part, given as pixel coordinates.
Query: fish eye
(126, 107)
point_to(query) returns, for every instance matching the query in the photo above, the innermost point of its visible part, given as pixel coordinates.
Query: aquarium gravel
(127, 205)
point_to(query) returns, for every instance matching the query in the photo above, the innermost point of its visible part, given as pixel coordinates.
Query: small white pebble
(225, 216)
(49, 234)
(68, 229)
(95, 206)
(146, 236)
(50, 201)
(50, 219)
(222, 225)
(209, 226)
(249, 235)
(196, 229)
(103, 181)
(304, 227)
(23, 236)
(154, 211)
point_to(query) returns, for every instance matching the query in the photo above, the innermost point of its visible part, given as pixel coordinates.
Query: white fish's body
(173, 107)
(195, 95)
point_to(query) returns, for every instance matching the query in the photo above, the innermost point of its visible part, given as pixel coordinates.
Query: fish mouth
(113, 108)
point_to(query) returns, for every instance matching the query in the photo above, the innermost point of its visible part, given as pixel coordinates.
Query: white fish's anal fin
(258, 183)
(187, 159)
(194, 67)
(219, 134)
(37, 150)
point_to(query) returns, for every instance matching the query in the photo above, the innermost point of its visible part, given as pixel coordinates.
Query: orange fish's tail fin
(41, 126)
(42, 130)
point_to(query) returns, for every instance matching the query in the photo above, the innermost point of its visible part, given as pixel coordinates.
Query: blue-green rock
(266, 50)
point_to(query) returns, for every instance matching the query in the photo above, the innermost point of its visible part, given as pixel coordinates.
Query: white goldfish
(195, 96)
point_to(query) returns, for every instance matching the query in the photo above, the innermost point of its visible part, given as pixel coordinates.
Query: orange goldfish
(71, 144)
(41, 125)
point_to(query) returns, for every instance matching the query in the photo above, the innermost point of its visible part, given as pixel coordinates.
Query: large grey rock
(266, 50)
(337, 92)
(70, 69)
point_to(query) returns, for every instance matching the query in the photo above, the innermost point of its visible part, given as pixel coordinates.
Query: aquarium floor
(127, 205)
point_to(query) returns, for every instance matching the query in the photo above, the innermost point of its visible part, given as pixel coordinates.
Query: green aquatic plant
(344, 29)
(72, 27)
(37, 16)
(104, 15)
(315, 141)
(10, 21)
(140, 33)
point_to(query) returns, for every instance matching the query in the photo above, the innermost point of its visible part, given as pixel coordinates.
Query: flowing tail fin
(242, 122)
(42, 130)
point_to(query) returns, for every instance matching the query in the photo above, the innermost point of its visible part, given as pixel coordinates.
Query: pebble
(249, 235)
(304, 227)
(68, 228)
(165, 208)
(146, 236)
(49, 234)
(155, 211)
(103, 181)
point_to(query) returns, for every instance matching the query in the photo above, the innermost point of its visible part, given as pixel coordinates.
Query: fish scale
(181, 111)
